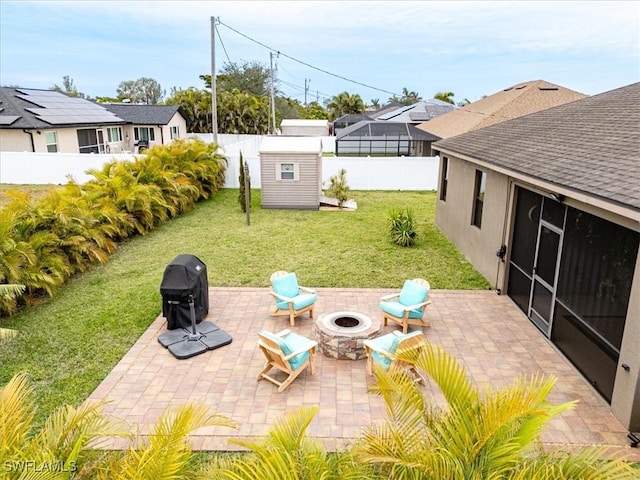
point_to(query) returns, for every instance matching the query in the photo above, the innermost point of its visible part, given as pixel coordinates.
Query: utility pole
(273, 94)
(214, 103)
(306, 89)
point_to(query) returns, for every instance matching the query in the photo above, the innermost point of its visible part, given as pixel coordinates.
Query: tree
(243, 113)
(196, 105)
(252, 77)
(445, 97)
(375, 103)
(68, 88)
(143, 90)
(315, 111)
(345, 103)
(243, 192)
(407, 98)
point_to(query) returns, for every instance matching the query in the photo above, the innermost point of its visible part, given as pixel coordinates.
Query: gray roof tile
(590, 145)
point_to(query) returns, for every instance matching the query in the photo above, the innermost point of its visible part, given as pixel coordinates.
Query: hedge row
(45, 242)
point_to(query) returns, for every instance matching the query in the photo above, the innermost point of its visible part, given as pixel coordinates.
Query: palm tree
(445, 97)
(480, 435)
(345, 103)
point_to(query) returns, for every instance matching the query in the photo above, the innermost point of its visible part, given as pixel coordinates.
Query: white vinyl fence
(363, 173)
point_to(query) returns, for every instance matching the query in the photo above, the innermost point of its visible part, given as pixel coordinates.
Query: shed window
(478, 198)
(175, 132)
(287, 171)
(52, 141)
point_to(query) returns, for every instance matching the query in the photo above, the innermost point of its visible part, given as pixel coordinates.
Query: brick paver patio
(485, 331)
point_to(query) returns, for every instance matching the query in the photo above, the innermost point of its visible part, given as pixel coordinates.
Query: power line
(305, 63)
(221, 42)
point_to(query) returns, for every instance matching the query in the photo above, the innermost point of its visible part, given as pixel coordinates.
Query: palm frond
(17, 410)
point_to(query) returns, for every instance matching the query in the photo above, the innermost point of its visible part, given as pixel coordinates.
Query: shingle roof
(143, 114)
(513, 102)
(591, 145)
(25, 108)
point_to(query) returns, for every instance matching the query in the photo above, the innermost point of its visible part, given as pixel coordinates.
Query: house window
(175, 132)
(287, 171)
(444, 179)
(52, 141)
(114, 134)
(144, 133)
(478, 198)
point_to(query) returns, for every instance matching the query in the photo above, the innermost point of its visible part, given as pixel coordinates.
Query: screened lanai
(383, 139)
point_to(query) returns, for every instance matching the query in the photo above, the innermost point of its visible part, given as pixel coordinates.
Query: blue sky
(470, 48)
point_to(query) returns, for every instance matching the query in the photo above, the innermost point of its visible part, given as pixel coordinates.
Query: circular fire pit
(340, 334)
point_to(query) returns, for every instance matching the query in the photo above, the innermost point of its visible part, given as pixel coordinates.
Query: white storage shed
(316, 128)
(291, 172)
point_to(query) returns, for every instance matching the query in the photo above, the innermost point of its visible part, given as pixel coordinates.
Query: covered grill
(184, 277)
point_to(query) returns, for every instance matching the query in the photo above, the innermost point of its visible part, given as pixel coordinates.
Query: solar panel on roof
(8, 119)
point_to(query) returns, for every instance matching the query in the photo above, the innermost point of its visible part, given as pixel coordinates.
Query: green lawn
(68, 344)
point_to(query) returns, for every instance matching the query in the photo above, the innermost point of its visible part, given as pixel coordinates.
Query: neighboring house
(383, 139)
(339, 124)
(418, 112)
(513, 102)
(48, 121)
(291, 172)
(149, 124)
(548, 206)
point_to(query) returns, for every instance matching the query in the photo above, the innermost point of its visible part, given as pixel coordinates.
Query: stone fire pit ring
(341, 334)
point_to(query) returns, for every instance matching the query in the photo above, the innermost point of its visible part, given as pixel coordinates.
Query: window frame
(174, 132)
(295, 172)
(479, 190)
(137, 134)
(53, 144)
(110, 137)
(444, 178)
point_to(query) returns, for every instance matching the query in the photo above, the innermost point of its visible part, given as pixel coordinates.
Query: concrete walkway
(485, 331)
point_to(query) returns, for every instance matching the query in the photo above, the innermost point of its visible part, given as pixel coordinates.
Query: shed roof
(299, 122)
(512, 102)
(591, 146)
(287, 144)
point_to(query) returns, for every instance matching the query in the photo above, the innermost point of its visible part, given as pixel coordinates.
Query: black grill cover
(186, 275)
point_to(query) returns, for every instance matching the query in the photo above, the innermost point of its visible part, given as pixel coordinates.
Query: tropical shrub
(402, 227)
(63, 448)
(242, 190)
(338, 187)
(493, 434)
(287, 454)
(45, 242)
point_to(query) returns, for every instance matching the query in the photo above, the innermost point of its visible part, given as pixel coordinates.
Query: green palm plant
(167, 453)
(402, 227)
(287, 454)
(60, 446)
(10, 291)
(494, 434)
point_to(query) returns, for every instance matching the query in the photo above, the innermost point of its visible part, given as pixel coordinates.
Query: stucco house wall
(569, 216)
